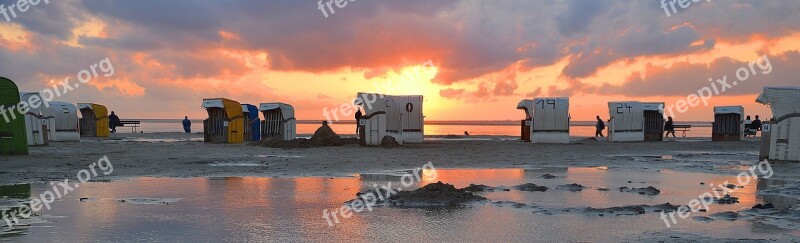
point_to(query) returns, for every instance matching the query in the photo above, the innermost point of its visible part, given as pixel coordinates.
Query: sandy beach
(185, 155)
(146, 162)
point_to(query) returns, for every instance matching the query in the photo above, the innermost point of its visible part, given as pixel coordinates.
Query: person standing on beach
(669, 126)
(187, 125)
(600, 127)
(756, 125)
(358, 121)
(747, 126)
(113, 121)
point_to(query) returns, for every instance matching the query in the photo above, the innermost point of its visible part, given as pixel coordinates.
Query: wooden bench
(683, 128)
(134, 125)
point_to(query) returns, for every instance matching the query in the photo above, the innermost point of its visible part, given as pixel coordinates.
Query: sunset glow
(484, 61)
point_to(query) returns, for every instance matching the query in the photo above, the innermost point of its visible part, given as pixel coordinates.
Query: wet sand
(185, 155)
(176, 155)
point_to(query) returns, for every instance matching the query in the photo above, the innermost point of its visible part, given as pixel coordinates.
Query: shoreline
(180, 155)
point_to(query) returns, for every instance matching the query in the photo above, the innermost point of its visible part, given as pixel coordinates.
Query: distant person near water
(187, 125)
(113, 122)
(669, 126)
(600, 127)
(359, 115)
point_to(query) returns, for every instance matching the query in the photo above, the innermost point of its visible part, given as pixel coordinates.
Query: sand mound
(325, 134)
(323, 137)
(389, 142)
(432, 195)
(435, 194)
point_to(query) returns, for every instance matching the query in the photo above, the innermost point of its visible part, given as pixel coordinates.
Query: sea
(432, 128)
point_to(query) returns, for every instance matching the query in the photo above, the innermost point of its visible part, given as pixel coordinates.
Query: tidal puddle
(291, 209)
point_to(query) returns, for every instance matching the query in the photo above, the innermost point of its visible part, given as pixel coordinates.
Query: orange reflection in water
(463, 177)
(587, 177)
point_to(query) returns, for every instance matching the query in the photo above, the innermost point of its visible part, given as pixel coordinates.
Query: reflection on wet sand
(290, 209)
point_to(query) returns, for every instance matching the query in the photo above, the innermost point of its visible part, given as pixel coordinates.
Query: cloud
(684, 78)
(185, 48)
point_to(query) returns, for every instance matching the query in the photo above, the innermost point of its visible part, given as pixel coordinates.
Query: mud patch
(432, 195)
(150, 201)
(571, 187)
(484, 188)
(548, 176)
(648, 191)
(530, 187)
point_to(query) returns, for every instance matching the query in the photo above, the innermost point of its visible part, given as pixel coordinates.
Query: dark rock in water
(603, 189)
(483, 188)
(435, 194)
(617, 211)
(732, 216)
(530, 187)
(666, 207)
(732, 186)
(571, 187)
(389, 142)
(650, 191)
(766, 206)
(703, 219)
(727, 199)
(548, 176)
(510, 204)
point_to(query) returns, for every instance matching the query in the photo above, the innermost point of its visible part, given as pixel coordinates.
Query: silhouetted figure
(358, 121)
(113, 122)
(600, 127)
(187, 125)
(756, 124)
(669, 126)
(748, 127)
(466, 133)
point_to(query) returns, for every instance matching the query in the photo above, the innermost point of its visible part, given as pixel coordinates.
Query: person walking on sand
(187, 125)
(669, 126)
(113, 122)
(359, 115)
(600, 127)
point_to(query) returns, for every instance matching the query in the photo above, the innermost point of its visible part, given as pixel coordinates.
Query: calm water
(290, 210)
(578, 129)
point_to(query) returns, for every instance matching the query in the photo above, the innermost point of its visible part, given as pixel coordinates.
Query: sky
(472, 60)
